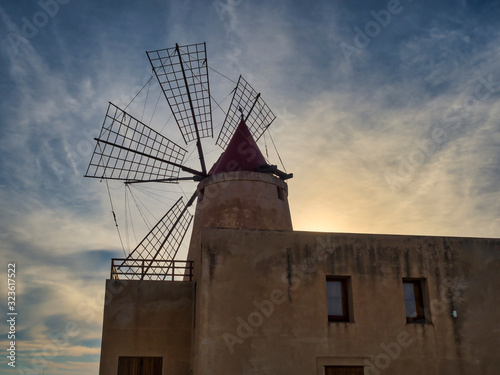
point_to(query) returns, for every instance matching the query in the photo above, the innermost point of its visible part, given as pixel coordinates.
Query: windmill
(130, 151)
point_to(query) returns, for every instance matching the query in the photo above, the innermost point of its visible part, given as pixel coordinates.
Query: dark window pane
(409, 292)
(414, 304)
(336, 291)
(344, 370)
(140, 365)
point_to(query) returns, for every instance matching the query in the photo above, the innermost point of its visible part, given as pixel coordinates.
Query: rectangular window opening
(414, 301)
(140, 365)
(280, 193)
(344, 370)
(337, 299)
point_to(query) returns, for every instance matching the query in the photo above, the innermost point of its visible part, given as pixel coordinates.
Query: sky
(387, 115)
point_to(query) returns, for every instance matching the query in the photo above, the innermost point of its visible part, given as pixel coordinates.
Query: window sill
(426, 323)
(416, 322)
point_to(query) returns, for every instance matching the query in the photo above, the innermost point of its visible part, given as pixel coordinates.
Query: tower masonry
(243, 199)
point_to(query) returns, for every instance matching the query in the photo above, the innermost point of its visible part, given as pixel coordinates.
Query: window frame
(134, 365)
(344, 369)
(418, 293)
(281, 195)
(346, 308)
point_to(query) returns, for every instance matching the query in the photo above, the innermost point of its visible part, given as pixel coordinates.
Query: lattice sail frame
(129, 150)
(258, 115)
(172, 75)
(160, 244)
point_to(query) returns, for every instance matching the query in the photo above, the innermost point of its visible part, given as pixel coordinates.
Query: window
(344, 370)
(336, 293)
(280, 193)
(414, 302)
(140, 365)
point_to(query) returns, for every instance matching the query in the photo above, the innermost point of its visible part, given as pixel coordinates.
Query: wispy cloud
(412, 104)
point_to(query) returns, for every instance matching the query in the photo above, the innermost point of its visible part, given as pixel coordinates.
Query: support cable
(265, 145)
(277, 153)
(114, 217)
(150, 188)
(157, 197)
(154, 110)
(130, 215)
(222, 75)
(127, 237)
(146, 100)
(146, 221)
(136, 95)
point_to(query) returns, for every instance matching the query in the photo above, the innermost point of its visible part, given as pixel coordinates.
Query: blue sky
(387, 116)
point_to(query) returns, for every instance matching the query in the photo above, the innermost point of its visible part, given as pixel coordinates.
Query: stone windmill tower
(150, 319)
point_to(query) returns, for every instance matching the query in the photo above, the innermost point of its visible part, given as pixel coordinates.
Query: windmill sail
(129, 150)
(182, 73)
(153, 256)
(258, 116)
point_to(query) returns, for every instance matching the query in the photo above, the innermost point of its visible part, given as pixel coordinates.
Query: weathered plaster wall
(237, 200)
(148, 318)
(262, 303)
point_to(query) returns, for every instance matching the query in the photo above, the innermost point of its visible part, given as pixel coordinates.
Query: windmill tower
(240, 191)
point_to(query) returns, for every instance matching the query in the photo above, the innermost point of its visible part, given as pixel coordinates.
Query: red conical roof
(242, 153)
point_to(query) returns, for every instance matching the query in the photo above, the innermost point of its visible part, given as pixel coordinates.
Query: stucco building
(256, 297)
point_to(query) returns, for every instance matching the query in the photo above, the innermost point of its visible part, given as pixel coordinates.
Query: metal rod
(267, 168)
(198, 140)
(179, 265)
(185, 169)
(162, 180)
(253, 105)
